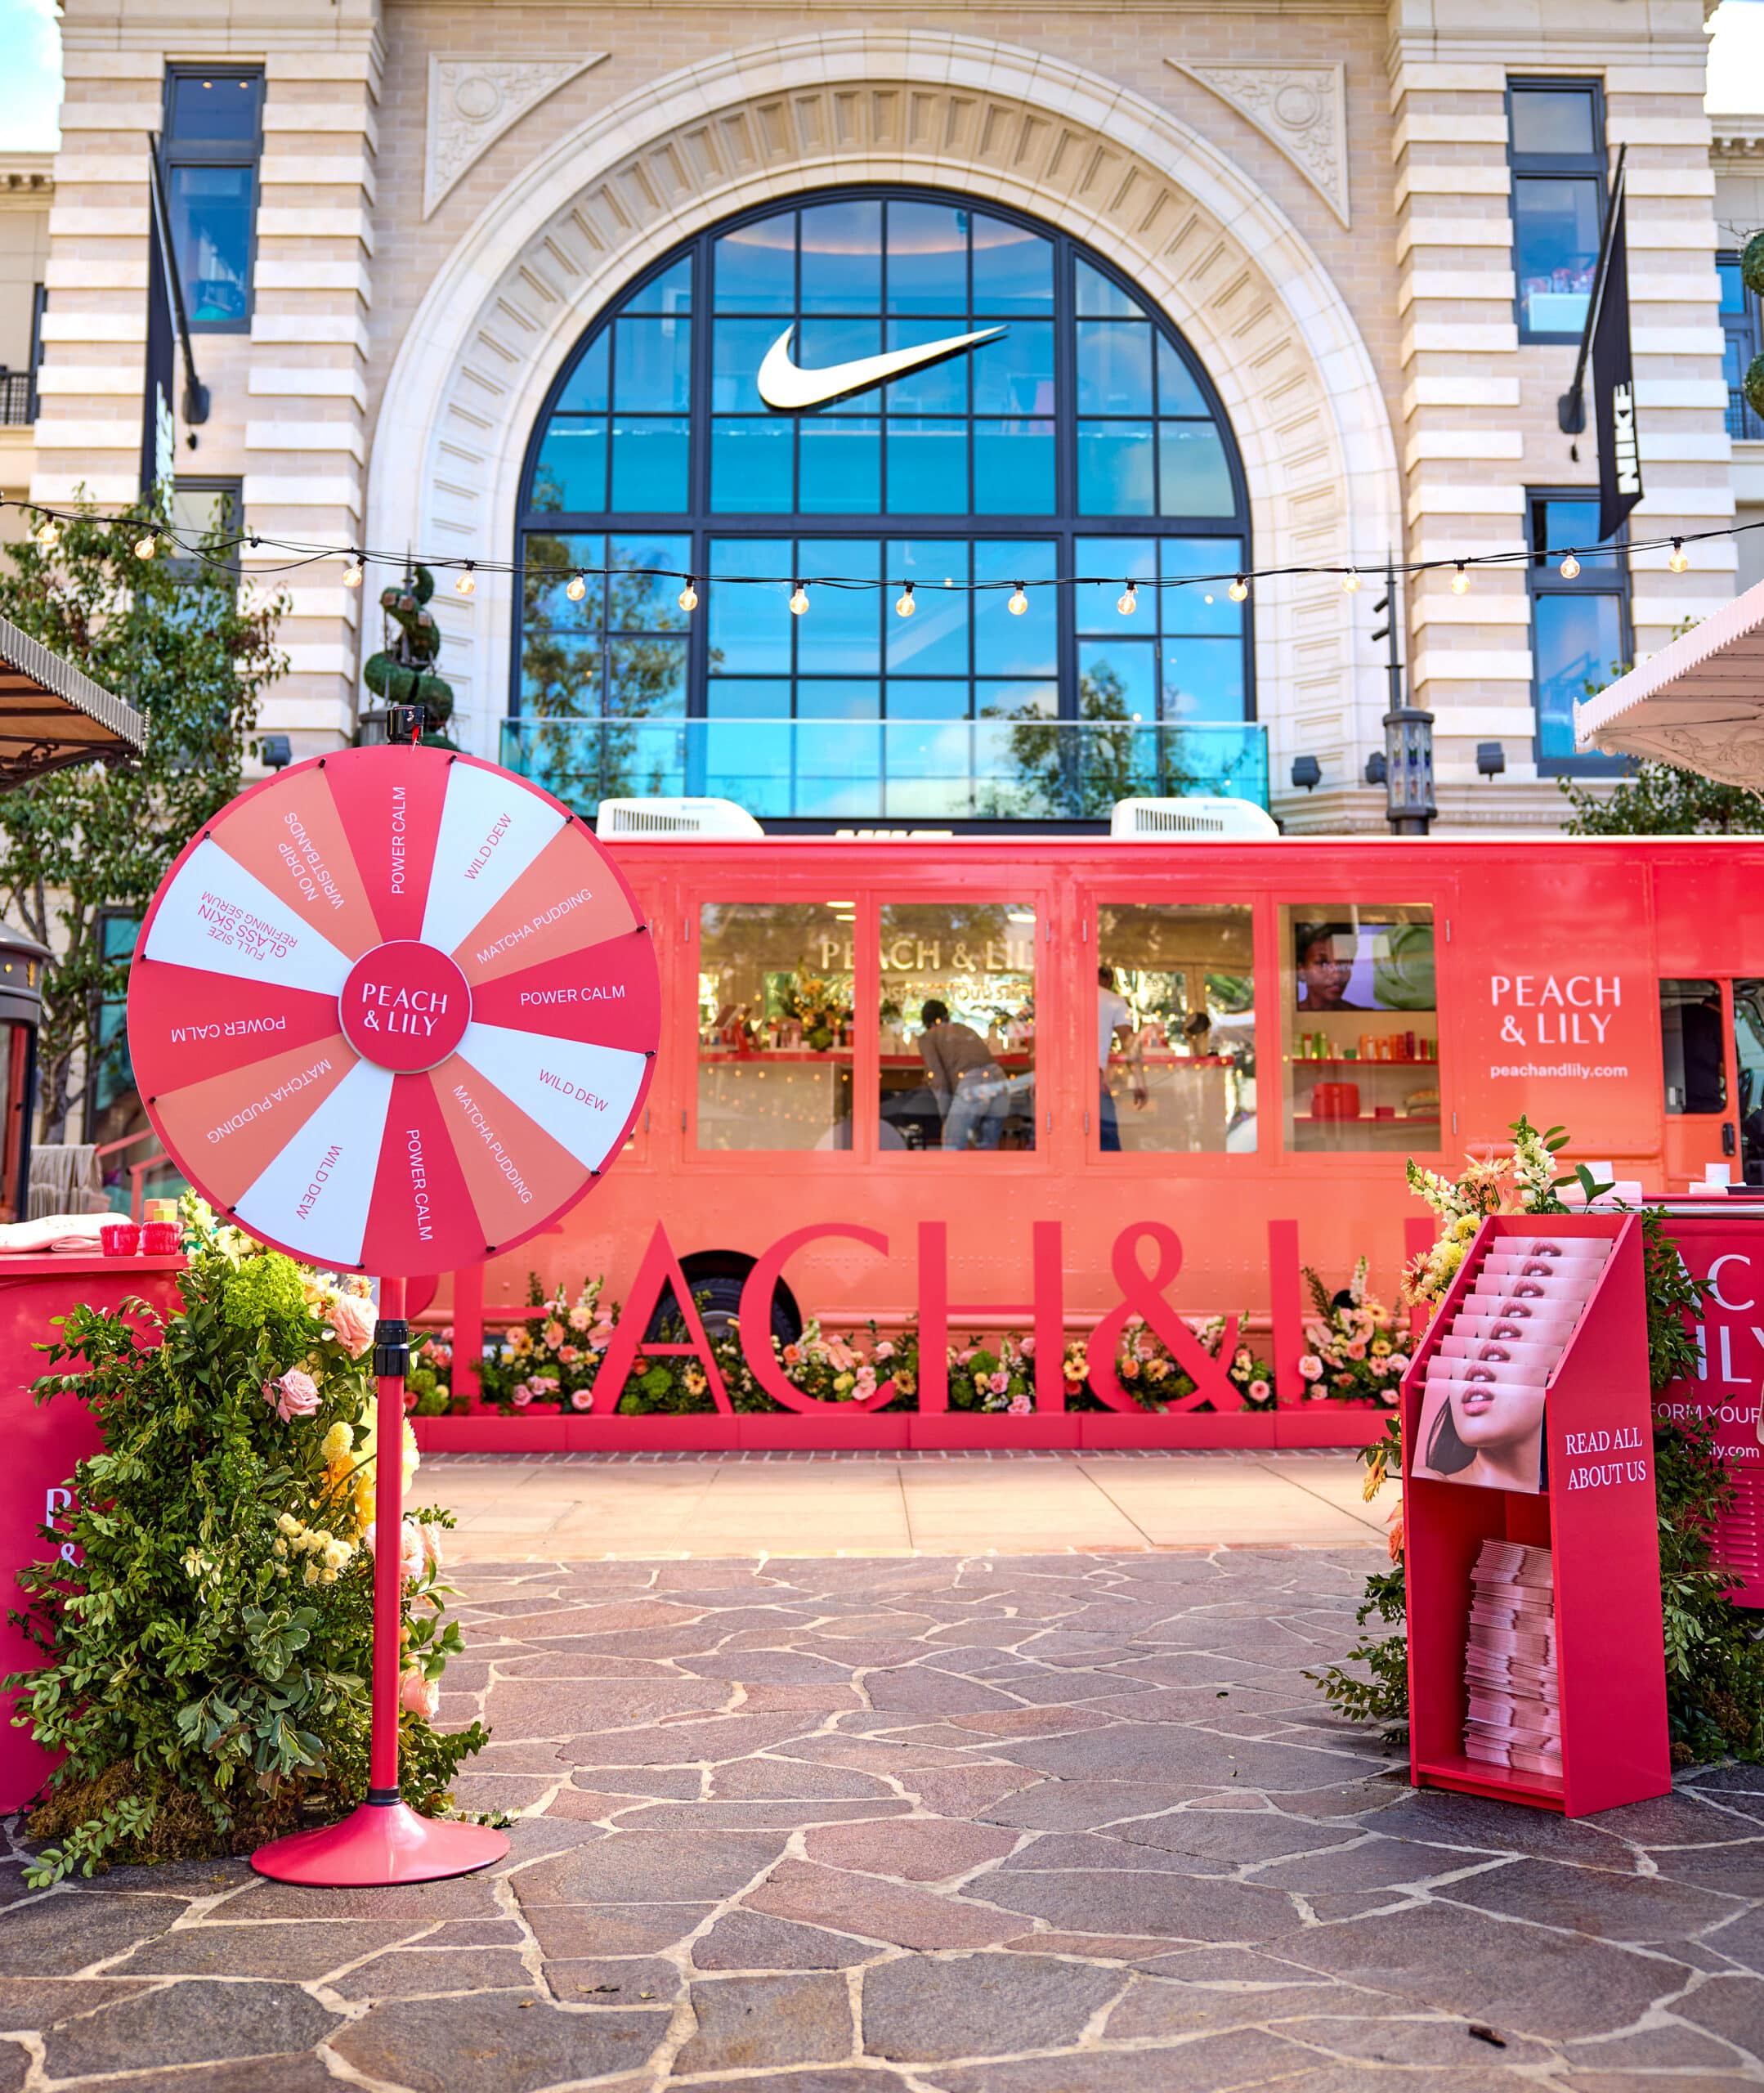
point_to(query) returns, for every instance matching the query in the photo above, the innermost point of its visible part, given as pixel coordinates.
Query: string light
(904, 602)
(1680, 559)
(467, 581)
(1570, 568)
(1129, 600)
(1460, 581)
(575, 588)
(688, 598)
(798, 599)
(353, 572)
(48, 534)
(1239, 590)
(146, 546)
(1350, 582)
(1020, 602)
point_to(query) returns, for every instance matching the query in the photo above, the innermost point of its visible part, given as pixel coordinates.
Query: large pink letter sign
(393, 1010)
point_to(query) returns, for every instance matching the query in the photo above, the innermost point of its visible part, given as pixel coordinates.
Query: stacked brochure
(1482, 1413)
(1510, 1675)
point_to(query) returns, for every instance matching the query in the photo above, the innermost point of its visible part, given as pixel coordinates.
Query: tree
(1661, 799)
(177, 637)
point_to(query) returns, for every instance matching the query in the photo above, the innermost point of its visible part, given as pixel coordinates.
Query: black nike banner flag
(159, 431)
(1613, 385)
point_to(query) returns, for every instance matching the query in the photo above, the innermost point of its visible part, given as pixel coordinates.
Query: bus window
(1175, 1028)
(1748, 1043)
(775, 1024)
(956, 1026)
(1361, 1070)
(1694, 1062)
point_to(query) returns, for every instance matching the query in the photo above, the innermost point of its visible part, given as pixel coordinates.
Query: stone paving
(1063, 1824)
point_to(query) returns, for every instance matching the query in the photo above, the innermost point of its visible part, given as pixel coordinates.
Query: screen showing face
(1342, 966)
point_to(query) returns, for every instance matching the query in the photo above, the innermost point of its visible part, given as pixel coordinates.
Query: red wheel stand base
(377, 1845)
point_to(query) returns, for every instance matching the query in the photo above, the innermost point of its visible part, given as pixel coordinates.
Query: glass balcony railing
(867, 770)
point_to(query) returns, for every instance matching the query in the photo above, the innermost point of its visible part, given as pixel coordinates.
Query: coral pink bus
(978, 1078)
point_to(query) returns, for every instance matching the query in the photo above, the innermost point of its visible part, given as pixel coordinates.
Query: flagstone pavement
(1034, 1824)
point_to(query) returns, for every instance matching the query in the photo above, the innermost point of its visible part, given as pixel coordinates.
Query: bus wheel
(716, 1279)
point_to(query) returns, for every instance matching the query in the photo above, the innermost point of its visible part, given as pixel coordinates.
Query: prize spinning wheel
(393, 1010)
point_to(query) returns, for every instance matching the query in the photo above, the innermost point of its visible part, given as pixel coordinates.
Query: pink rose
(418, 1548)
(1130, 1369)
(1020, 1406)
(554, 1334)
(568, 1354)
(866, 1382)
(523, 1395)
(351, 1322)
(1311, 1367)
(446, 1333)
(1344, 1380)
(1356, 1350)
(793, 1355)
(581, 1399)
(601, 1336)
(884, 1350)
(1000, 1382)
(294, 1394)
(1028, 1348)
(1258, 1392)
(421, 1696)
(963, 1357)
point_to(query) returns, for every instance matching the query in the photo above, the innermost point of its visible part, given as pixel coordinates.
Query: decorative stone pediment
(473, 100)
(1301, 109)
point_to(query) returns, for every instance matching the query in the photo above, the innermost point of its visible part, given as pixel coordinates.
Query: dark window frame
(1746, 327)
(175, 153)
(699, 523)
(232, 486)
(1559, 165)
(1543, 577)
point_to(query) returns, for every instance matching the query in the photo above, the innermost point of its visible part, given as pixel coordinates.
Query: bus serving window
(1361, 1027)
(1175, 1013)
(1691, 1048)
(956, 1026)
(775, 1024)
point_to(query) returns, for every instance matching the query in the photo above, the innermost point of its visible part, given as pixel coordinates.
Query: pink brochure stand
(1595, 1515)
(43, 1443)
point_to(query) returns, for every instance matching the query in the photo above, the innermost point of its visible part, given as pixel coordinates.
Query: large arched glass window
(728, 417)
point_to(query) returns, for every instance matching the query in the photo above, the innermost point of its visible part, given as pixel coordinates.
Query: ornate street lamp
(1408, 760)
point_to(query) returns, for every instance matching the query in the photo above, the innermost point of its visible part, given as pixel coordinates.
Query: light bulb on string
(798, 599)
(146, 546)
(576, 588)
(1239, 590)
(1350, 582)
(467, 581)
(1680, 559)
(1460, 581)
(1020, 602)
(903, 603)
(48, 534)
(1570, 568)
(688, 598)
(1128, 602)
(353, 572)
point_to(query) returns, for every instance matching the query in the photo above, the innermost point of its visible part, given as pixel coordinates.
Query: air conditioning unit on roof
(631, 820)
(1163, 821)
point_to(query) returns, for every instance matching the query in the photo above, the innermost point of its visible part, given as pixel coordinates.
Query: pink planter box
(1251, 1428)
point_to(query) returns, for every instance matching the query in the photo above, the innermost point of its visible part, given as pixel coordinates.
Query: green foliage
(1661, 799)
(207, 1649)
(1714, 1650)
(1379, 1698)
(178, 638)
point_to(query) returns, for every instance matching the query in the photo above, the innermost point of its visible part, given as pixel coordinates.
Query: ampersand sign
(1144, 1296)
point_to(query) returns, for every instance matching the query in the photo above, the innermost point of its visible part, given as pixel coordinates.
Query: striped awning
(1698, 703)
(51, 714)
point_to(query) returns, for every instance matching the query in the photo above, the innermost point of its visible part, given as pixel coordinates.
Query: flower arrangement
(1358, 1348)
(997, 1376)
(1524, 1182)
(831, 1369)
(205, 1611)
(1158, 1381)
(550, 1357)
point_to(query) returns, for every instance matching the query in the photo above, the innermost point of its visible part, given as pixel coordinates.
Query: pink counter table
(43, 1443)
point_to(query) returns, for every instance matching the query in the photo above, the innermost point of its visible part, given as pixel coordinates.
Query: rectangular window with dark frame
(213, 143)
(1742, 339)
(1555, 150)
(1579, 588)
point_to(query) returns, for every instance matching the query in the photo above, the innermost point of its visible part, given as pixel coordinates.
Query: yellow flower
(1464, 1227)
(1381, 1347)
(339, 1443)
(521, 1342)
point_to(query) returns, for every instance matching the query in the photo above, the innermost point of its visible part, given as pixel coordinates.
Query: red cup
(120, 1239)
(160, 1239)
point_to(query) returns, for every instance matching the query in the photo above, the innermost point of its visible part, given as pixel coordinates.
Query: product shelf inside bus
(1359, 1061)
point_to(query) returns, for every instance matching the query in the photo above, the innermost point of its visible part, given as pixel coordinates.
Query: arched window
(729, 415)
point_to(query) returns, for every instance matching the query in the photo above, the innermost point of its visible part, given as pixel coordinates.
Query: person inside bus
(972, 1090)
(1323, 972)
(1114, 1021)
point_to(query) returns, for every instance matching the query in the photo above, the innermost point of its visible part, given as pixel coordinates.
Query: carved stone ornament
(473, 100)
(1731, 754)
(1301, 108)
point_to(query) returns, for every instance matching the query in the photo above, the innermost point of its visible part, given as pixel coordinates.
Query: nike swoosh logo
(787, 387)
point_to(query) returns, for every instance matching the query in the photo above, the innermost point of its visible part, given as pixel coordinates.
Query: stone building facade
(1317, 201)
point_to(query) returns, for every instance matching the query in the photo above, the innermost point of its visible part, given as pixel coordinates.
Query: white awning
(1698, 703)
